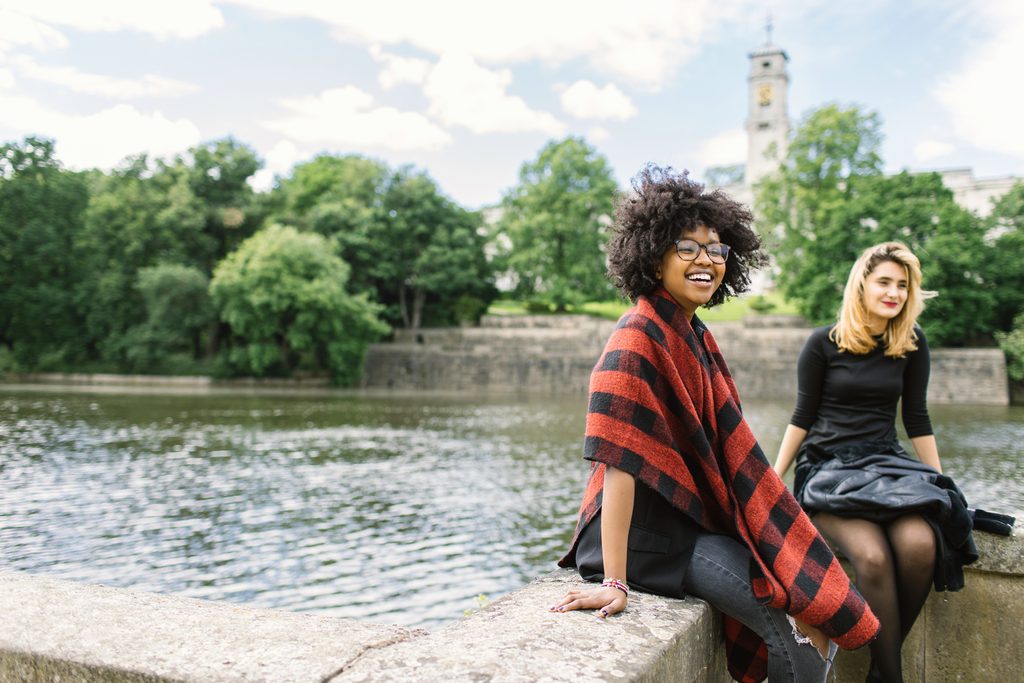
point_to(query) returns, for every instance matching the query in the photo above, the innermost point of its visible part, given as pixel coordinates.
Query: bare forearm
(927, 450)
(791, 441)
(616, 514)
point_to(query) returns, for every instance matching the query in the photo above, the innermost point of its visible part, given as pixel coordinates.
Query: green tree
(831, 145)
(829, 201)
(919, 211)
(429, 251)
(217, 173)
(41, 215)
(178, 315)
(1012, 344)
(190, 211)
(351, 182)
(139, 215)
(721, 176)
(555, 219)
(283, 295)
(1005, 266)
(410, 248)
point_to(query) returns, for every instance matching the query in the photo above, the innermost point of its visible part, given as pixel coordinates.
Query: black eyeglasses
(689, 250)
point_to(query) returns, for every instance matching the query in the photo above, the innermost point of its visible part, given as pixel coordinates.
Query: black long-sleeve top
(845, 398)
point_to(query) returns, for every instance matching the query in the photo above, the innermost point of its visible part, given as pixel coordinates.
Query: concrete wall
(53, 630)
(555, 354)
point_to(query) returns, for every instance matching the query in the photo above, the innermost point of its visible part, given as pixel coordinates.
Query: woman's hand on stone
(606, 600)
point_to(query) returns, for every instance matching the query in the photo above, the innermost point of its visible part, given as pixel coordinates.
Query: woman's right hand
(606, 600)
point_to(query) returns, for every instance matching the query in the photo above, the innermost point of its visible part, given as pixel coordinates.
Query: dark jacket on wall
(880, 482)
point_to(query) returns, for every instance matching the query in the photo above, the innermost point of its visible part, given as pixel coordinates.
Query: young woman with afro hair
(681, 500)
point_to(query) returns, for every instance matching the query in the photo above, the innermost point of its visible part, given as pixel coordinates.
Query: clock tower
(767, 117)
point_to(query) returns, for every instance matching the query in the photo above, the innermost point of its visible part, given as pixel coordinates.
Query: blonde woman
(901, 522)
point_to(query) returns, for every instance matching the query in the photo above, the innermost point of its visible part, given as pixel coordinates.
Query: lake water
(399, 509)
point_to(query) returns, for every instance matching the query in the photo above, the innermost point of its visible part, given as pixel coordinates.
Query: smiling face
(885, 294)
(691, 283)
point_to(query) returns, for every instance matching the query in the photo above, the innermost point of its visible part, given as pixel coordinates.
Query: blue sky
(470, 90)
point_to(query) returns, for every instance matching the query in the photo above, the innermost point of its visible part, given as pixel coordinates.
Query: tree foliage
(189, 211)
(411, 248)
(1012, 344)
(41, 215)
(179, 315)
(283, 294)
(137, 217)
(1005, 264)
(111, 270)
(829, 201)
(830, 146)
(555, 220)
(721, 176)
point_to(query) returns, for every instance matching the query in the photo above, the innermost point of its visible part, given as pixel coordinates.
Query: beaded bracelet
(615, 583)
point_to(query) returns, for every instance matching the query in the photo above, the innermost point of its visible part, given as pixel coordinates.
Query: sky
(470, 90)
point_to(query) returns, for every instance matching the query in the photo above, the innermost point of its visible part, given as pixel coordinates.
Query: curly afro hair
(665, 205)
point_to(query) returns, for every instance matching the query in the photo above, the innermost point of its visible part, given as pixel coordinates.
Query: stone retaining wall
(555, 354)
(53, 630)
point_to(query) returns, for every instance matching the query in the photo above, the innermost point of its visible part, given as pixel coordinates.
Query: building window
(764, 126)
(766, 63)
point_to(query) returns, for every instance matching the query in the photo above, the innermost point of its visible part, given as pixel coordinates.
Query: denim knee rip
(800, 637)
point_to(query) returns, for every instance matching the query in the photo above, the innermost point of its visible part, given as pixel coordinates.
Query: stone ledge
(58, 630)
(516, 638)
(54, 630)
(1000, 554)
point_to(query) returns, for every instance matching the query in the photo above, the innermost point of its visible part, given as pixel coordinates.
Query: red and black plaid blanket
(664, 408)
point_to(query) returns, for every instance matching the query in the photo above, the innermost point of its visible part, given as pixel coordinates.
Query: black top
(845, 398)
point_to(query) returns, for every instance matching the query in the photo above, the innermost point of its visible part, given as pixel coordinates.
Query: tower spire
(767, 120)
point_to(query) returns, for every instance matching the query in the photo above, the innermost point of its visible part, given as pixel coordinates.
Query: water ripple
(397, 510)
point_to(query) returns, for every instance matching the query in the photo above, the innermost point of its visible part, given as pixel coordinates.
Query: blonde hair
(852, 332)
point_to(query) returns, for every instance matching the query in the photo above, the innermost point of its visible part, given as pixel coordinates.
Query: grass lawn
(733, 309)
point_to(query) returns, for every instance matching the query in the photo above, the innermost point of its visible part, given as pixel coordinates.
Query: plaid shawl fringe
(664, 408)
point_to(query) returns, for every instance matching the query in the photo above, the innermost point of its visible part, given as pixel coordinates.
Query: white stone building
(768, 127)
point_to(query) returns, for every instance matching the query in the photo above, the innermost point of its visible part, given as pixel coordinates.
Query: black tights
(894, 564)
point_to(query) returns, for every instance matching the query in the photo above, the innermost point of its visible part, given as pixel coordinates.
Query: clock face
(764, 95)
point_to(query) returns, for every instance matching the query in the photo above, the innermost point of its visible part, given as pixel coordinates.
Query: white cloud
(181, 19)
(278, 162)
(147, 85)
(598, 134)
(927, 150)
(20, 30)
(6, 78)
(585, 100)
(101, 139)
(642, 42)
(463, 93)
(349, 117)
(724, 149)
(399, 70)
(980, 96)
